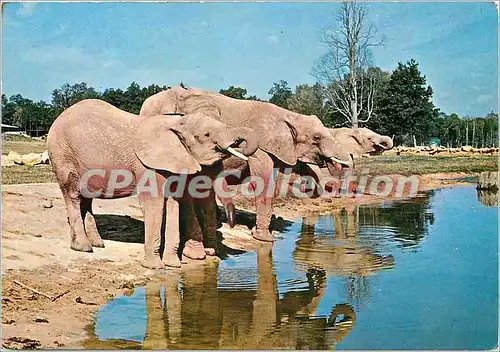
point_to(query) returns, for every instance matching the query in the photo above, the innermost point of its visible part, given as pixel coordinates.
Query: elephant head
(196, 139)
(304, 138)
(289, 136)
(360, 141)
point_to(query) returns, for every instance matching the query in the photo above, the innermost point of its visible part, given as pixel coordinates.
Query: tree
(238, 93)
(406, 108)
(133, 98)
(308, 100)
(7, 110)
(68, 95)
(280, 93)
(234, 92)
(343, 69)
(115, 97)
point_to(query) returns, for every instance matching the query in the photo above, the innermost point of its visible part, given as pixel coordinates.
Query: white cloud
(484, 98)
(57, 55)
(272, 39)
(26, 9)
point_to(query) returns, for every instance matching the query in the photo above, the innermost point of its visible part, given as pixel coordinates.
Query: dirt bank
(72, 285)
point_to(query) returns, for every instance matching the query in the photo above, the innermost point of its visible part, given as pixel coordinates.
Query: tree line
(403, 108)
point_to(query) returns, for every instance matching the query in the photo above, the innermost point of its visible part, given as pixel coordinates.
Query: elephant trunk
(385, 142)
(336, 156)
(242, 139)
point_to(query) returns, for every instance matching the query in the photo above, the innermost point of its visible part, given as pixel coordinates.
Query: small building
(434, 142)
(10, 129)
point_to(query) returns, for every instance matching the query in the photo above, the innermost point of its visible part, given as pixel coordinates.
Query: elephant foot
(210, 251)
(262, 235)
(153, 262)
(172, 261)
(194, 250)
(81, 244)
(95, 240)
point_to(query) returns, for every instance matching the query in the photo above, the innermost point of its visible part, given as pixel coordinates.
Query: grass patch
(420, 165)
(406, 165)
(27, 174)
(23, 147)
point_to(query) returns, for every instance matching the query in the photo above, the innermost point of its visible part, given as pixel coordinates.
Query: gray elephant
(92, 141)
(356, 141)
(359, 141)
(285, 138)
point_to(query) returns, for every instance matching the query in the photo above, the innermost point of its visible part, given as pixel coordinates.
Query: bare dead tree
(343, 70)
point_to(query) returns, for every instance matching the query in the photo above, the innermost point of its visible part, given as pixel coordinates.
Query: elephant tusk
(236, 153)
(338, 161)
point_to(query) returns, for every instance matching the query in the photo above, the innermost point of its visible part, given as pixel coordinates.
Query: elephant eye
(317, 138)
(207, 134)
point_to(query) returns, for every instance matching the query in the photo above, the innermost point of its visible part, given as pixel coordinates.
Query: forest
(402, 107)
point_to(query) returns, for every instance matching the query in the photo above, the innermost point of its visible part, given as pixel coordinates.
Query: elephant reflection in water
(342, 256)
(200, 316)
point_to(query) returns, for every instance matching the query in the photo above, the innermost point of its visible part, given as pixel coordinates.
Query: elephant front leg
(172, 235)
(261, 171)
(153, 216)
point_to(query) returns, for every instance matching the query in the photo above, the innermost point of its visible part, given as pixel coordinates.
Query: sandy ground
(72, 285)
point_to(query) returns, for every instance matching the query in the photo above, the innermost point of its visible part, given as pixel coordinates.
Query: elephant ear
(361, 139)
(278, 137)
(158, 145)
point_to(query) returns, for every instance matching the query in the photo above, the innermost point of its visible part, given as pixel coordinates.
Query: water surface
(418, 274)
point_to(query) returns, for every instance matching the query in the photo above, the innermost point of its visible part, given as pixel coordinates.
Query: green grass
(27, 174)
(410, 165)
(23, 147)
(406, 165)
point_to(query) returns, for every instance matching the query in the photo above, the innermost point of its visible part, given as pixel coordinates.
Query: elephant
(94, 135)
(356, 141)
(345, 257)
(200, 314)
(285, 138)
(361, 140)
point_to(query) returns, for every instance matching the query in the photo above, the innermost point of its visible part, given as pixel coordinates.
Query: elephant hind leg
(90, 224)
(72, 197)
(193, 247)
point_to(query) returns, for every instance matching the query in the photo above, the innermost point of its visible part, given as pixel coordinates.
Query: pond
(416, 274)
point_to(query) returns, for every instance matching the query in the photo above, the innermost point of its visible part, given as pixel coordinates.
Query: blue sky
(214, 45)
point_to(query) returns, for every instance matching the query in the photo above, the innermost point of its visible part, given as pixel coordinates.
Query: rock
(21, 343)
(128, 291)
(14, 158)
(41, 320)
(488, 180)
(488, 198)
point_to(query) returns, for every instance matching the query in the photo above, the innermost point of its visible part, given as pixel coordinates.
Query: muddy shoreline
(71, 286)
